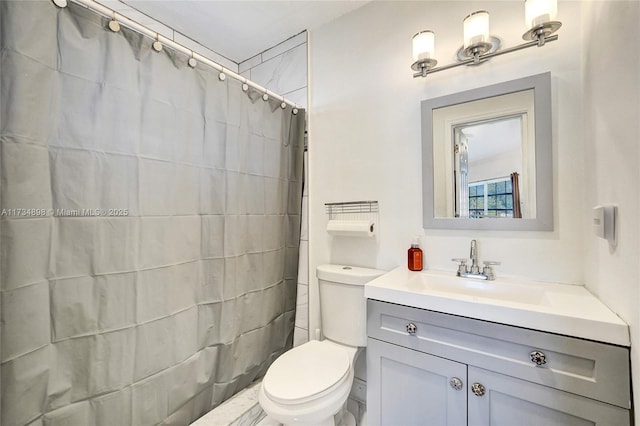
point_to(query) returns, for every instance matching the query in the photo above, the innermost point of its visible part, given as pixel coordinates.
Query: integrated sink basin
(480, 289)
(556, 308)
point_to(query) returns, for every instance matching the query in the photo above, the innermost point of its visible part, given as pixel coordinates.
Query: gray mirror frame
(541, 84)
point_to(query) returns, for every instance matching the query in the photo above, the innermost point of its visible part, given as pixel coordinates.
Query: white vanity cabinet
(412, 386)
(430, 368)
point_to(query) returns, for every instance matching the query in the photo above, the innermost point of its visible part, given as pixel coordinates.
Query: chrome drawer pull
(455, 383)
(538, 358)
(478, 389)
(411, 329)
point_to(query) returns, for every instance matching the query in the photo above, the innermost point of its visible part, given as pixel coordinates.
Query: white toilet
(309, 384)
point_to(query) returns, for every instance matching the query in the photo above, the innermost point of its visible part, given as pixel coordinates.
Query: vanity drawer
(591, 369)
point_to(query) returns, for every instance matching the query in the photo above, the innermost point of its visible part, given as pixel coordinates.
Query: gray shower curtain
(149, 231)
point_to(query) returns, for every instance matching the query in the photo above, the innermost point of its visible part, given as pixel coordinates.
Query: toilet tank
(343, 308)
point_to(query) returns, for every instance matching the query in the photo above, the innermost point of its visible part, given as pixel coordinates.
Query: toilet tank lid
(347, 274)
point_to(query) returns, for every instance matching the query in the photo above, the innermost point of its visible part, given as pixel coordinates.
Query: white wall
(366, 143)
(365, 131)
(611, 140)
(498, 166)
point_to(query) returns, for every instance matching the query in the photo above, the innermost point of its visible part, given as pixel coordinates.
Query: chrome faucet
(474, 270)
(473, 254)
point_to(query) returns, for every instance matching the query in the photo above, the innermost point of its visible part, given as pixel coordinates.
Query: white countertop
(570, 310)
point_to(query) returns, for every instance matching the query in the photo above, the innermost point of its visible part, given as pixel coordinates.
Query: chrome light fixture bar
(479, 46)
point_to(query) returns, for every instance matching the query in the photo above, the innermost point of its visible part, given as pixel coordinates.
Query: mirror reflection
(487, 158)
(487, 168)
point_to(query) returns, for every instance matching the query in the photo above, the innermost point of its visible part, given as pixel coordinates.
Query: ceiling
(241, 29)
(490, 139)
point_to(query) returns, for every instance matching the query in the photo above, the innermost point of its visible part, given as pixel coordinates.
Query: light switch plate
(604, 222)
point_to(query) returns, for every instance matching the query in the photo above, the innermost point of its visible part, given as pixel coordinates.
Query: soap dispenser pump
(414, 261)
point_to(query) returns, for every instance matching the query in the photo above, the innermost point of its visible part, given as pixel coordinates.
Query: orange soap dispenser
(415, 256)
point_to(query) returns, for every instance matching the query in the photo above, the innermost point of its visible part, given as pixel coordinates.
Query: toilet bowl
(310, 384)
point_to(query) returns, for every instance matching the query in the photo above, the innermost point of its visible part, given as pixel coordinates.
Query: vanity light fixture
(423, 49)
(479, 45)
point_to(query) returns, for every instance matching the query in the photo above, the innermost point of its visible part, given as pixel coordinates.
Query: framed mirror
(486, 157)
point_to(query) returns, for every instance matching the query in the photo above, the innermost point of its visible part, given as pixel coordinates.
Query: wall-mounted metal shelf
(351, 207)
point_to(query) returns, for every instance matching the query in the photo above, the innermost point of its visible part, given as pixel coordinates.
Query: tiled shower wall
(168, 32)
(283, 70)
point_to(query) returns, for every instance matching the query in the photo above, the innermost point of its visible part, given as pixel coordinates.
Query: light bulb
(537, 12)
(423, 45)
(476, 28)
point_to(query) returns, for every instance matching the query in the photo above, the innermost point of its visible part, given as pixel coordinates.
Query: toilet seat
(306, 373)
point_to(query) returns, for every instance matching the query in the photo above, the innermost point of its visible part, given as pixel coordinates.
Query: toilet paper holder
(352, 218)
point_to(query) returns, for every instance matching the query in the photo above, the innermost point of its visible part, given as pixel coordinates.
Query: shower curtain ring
(265, 97)
(157, 46)
(222, 75)
(114, 25)
(192, 61)
(245, 86)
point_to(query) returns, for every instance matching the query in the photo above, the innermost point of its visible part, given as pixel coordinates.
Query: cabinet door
(406, 387)
(509, 401)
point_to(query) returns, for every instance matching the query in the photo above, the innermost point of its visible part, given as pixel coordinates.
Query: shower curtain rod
(136, 26)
